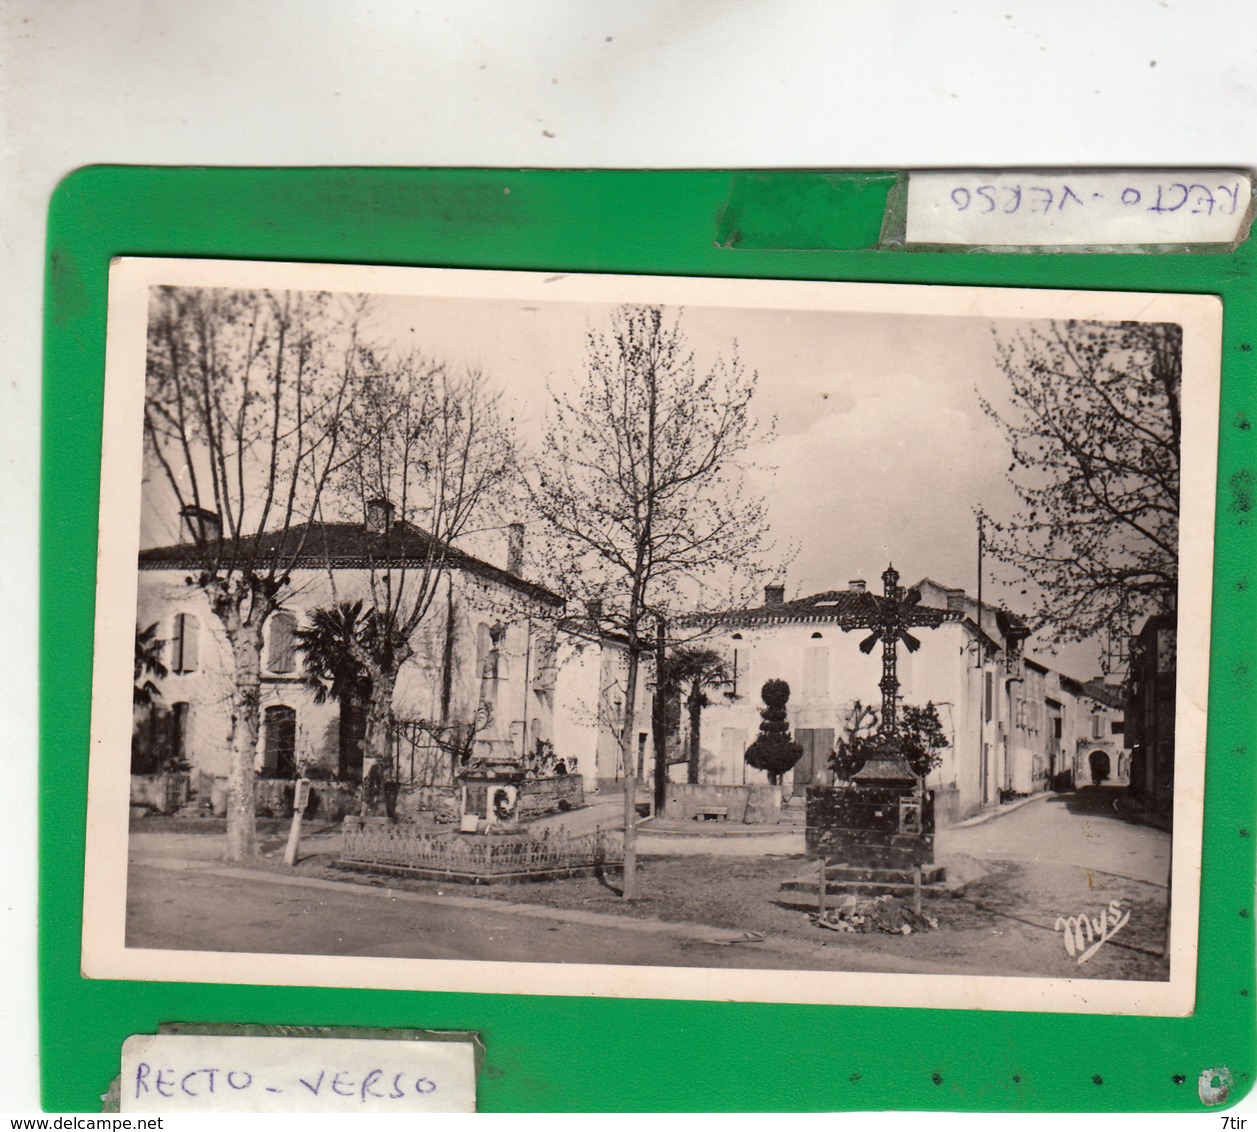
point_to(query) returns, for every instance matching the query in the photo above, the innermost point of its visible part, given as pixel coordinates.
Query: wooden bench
(707, 813)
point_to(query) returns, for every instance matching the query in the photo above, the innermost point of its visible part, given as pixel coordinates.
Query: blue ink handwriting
(377, 1084)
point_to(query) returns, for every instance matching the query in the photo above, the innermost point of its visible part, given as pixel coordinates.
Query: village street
(1012, 876)
(1079, 830)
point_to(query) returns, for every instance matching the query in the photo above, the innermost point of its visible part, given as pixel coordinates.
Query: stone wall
(948, 808)
(443, 803)
(866, 826)
(329, 801)
(749, 804)
(163, 793)
(541, 796)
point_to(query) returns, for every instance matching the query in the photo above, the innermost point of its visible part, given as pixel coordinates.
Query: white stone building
(590, 700)
(488, 637)
(1013, 725)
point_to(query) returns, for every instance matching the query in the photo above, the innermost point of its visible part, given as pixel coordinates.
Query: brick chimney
(379, 516)
(774, 596)
(858, 586)
(201, 525)
(515, 549)
(593, 612)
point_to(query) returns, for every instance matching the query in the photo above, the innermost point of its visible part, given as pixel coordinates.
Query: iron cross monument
(890, 618)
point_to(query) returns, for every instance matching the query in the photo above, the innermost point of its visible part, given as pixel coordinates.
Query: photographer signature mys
(1085, 935)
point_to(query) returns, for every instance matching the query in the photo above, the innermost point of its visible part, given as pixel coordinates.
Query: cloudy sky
(882, 451)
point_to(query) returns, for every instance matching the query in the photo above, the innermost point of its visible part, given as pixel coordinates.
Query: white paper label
(1071, 209)
(203, 1073)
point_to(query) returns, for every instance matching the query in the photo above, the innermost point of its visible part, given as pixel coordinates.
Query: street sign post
(300, 798)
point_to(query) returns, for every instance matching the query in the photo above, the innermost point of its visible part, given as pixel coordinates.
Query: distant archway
(1101, 767)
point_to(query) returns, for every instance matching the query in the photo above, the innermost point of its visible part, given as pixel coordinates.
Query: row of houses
(502, 670)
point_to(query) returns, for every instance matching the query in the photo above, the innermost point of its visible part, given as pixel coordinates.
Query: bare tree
(641, 481)
(243, 400)
(1094, 432)
(430, 447)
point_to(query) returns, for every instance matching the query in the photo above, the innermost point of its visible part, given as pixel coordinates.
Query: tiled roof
(832, 606)
(1104, 693)
(1010, 624)
(345, 546)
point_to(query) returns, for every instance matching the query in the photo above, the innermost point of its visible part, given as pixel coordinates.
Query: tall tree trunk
(659, 718)
(627, 749)
(246, 655)
(377, 741)
(695, 705)
(345, 733)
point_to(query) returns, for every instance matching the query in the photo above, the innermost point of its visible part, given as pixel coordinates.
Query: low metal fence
(376, 842)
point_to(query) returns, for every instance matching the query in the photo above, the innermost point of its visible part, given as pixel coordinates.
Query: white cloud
(894, 476)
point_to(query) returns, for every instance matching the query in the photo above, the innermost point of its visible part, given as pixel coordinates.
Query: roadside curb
(982, 819)
(737, 829)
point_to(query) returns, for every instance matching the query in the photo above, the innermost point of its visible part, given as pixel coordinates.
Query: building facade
(482, 677)
(1151, 711)
(590, 702)
(1013, 725)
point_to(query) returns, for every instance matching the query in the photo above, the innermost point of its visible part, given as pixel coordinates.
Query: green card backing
(562, 1054)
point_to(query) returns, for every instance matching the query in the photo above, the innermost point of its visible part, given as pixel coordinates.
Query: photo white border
(105, 955)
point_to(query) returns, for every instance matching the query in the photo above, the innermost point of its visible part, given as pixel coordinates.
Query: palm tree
(148, 649)
(697, 669)
(332, 672)
(149, 733)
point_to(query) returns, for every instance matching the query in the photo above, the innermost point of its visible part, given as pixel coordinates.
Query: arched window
(816, 636)
(279, 742)
(280, 656)
(183, 644)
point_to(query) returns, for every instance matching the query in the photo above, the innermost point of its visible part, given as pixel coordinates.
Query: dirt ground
(1001, 921)
(997, 926)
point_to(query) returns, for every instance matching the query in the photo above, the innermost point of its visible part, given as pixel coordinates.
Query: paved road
(1066, 829)
(1070, 829)
(200, 906)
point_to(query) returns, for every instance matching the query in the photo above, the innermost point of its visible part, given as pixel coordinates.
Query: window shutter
(283, 627)
(183, 644)
(190, 642)
(176, 644)
(179, 733)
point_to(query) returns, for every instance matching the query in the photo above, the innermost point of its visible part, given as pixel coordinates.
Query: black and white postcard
(652, 637)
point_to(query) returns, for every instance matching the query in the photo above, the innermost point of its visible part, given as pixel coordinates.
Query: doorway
(813, 768)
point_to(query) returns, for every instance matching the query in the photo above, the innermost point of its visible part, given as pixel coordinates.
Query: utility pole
(981, 539)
